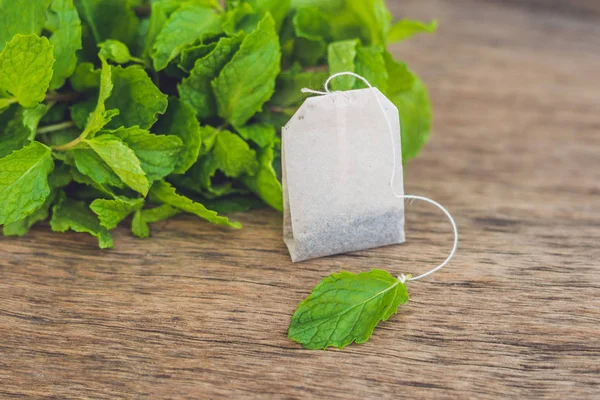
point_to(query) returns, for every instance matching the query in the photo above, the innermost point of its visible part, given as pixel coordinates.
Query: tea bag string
(403, 278)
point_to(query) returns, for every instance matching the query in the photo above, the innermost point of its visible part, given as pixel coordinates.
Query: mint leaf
(80, 112)
(233, 155)
(121, 160)
(261, 134)
(59, 178)
(22, 226)
(406, 28)
(312, 30)
(163, 192)
(26, 68)
(193, 53)
(109, 19)
(85, 77)
(248, 81)
(341, 56)
(100, 116)
(373, 17)
(141, 218)
(371, 65)
(159, 14)
(116, 51)
(240, 18)
(66, 40)
(18, 126)
(345, 308)
(71, 214)
(265, 183)
(409, 94)
(196, 90)
(224, 155)
(277, 8)
(184, 26)
(22, 17)
(290, 83)
(24, 181)
(136, 97)
(112, 212)
(180, 120)
(92, 166)
(158, 154)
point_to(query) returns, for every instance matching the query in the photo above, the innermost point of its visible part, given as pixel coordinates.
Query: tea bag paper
(337, 162)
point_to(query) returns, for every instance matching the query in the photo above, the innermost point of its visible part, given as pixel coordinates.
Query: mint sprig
(345, 308)
(112, 109)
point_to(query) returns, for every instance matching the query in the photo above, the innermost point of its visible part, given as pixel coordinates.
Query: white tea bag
(337, 160)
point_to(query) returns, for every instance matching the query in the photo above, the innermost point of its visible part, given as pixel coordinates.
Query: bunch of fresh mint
(112, 108)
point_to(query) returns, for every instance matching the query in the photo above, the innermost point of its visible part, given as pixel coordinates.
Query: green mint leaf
(76, 215)
(191, 54)
(100, 116)
(373, 17)
(248, 81)
(184, 27)
(341, 56)
(118, 52)
(345, 308)
(109, 19)
(22, 226)
(22, 17)
(312, 30)
(66, 40)
(290, 83)
(18, 127)
(59, 178)
(26, 68)
(409, 94)
(261, 134)
(158, 154)
(196, 90)
(141, 219)
(112, 212)
(136, 97)
(208, 176)
(85, 77)
(81, 111)
(180, 120)
(277, 8)
(233, 204)
(240, 18)
(406, 28)
(122, 160)
(265, 183)
(159, 15)
(371, 65)
(94, 168)
(163, 192)
(24, 181)
(233, 155)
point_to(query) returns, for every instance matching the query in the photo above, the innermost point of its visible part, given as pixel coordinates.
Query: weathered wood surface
(201, 312)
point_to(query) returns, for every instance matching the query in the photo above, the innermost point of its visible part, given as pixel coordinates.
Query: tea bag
(338, 168)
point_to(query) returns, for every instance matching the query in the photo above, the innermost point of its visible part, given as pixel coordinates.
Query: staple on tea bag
(336, 175)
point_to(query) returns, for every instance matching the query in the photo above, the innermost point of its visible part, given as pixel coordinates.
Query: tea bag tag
(336, 175)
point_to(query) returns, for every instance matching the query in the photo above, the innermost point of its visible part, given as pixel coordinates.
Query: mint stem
(55, 127)
(62, 97)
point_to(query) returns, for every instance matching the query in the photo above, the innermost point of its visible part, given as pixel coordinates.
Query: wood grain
(202, 312)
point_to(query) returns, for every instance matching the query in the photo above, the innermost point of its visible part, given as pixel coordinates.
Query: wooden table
(203, 312)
